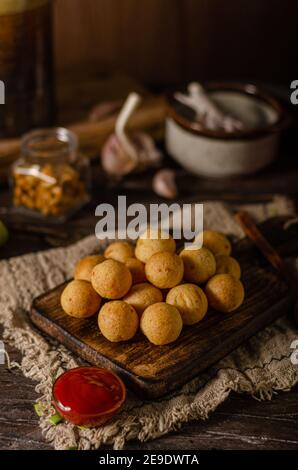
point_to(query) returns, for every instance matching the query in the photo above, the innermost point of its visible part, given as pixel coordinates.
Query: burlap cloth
(260, 367)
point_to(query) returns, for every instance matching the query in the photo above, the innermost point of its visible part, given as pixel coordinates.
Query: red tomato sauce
(88, 395)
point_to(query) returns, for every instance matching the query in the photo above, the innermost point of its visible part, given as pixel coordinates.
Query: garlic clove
(164, 184)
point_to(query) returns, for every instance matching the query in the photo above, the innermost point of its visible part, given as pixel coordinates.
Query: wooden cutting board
(153, 371)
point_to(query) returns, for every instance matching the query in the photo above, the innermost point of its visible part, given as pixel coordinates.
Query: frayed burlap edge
(261, 367)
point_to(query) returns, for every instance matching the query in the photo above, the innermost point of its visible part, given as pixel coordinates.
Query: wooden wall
(171, 41)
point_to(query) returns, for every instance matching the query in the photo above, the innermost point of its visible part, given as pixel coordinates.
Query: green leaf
(38, 409)
(55, 419)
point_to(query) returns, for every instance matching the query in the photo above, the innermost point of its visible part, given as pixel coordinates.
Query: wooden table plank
(239, 423)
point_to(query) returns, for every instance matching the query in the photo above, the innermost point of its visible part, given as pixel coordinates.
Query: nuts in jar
(50, 178)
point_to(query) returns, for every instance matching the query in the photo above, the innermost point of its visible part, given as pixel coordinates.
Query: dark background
(165, 42)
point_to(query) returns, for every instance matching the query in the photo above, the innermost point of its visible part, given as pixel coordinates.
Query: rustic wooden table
(241, 422)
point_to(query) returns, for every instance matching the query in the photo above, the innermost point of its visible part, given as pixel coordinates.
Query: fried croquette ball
(142, 296)
(227, 265)
(216, 242)
(79, 299)
(137, 269)
(191, 302)
(199, 265)
(84, 267)
(150, 242)
(111, 279)
(120, 251)
(161, 323)
(224, 292)
(164, 270)
(118, 321)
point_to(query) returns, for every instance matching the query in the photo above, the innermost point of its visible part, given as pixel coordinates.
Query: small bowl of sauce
(88, 396)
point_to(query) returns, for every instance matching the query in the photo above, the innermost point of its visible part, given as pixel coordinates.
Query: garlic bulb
(123, 153)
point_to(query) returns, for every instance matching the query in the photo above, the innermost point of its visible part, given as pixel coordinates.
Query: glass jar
(50, 179)
(26, 67)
